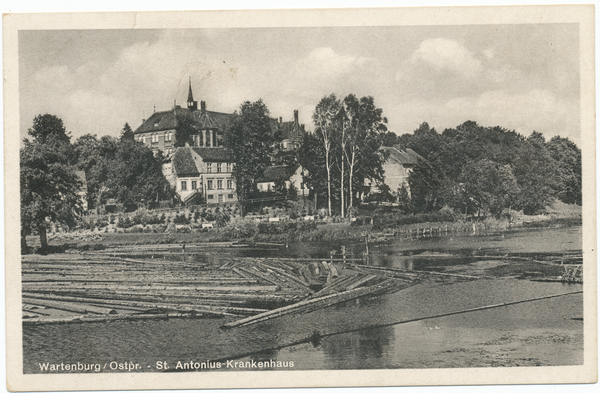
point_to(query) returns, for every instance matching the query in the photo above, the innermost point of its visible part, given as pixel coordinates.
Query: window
(209, 167)
(154, 138)
(210, 196)
(194, 184)
(219, 167)
(230, 196)
(220, 198)
(209, 184)
(184, 185)
(219, 184)
(229, 184)
(168, 136)
(229, 167)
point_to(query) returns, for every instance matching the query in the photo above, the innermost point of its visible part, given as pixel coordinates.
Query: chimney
(280, 120)
(203, 106)
(296, 116)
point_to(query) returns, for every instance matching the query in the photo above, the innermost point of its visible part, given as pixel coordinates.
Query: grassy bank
(253, 229)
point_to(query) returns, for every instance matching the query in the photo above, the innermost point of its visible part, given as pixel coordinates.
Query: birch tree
(326, 127)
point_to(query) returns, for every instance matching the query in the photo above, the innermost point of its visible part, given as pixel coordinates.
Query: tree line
(470, 169)
(119, 169)
(490, 170)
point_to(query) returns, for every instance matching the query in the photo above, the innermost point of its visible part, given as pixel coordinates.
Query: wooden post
(367, 249)
(344, 253)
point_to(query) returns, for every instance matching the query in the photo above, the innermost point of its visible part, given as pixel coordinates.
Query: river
(422, 326)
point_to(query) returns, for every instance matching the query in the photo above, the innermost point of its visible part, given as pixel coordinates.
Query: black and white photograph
(300, 198)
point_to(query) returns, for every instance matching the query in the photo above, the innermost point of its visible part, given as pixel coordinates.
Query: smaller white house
(281, 173)
(397, 166)
(201, 172)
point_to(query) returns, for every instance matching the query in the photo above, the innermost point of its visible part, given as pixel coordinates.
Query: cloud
(489, 53)
(524, 112)
(447, 55)
(325, 62)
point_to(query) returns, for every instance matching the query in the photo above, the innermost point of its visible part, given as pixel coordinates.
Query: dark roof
(400, 156)
(166, 120)
(214, 154)
(210, 119)
(183, 162)
(278, 172)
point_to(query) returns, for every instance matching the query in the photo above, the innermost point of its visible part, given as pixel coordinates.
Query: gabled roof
(210, 119)
(214, 154)
(166, 120)
(399, 156)
(184, 163)
(291, 130)
(277, 172)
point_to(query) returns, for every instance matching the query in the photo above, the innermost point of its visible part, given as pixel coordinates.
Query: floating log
(107, 318)
(299, 280)
(65, 306)
(242, 274)
(27, 279)
(313, 304)
(144, 306)
(258, 275)
(362, 281)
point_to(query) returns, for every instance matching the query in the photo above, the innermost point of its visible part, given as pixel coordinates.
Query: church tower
(191, 104)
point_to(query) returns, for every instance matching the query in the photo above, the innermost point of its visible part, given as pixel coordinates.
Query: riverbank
(284, 231)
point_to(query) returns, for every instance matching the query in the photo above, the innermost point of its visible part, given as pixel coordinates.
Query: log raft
(98, 287)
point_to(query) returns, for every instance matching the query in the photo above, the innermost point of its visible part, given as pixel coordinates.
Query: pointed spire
(190, 95)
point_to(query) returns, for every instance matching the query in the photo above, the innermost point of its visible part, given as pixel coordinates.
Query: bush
(221, 219)
(181, 219)
(125, 222)
(241, 228)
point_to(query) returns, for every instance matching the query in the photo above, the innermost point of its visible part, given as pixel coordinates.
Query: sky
(520, 77)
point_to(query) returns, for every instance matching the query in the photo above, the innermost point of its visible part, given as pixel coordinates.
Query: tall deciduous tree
(363, 124)
(121, 169)
(326, 128)
(536, 174)
(251, 139)
(48, 183)
(567, 156)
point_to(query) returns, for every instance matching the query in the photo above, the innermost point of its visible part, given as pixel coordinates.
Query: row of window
(220, 196)
(209, 167)
(154, 137)
(209, 184)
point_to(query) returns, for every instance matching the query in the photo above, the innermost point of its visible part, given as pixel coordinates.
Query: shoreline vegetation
(278, 226)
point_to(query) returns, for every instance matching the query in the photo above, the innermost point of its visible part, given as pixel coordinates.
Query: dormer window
(156, 124)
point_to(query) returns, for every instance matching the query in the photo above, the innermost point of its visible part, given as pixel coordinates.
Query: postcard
(300, 198)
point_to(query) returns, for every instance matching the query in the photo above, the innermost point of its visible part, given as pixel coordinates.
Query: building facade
(203, 167)
(290, 176)
(398, 166)
(198, 173)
